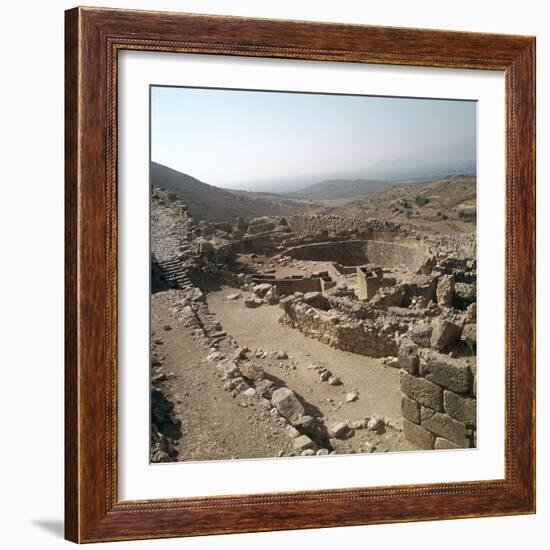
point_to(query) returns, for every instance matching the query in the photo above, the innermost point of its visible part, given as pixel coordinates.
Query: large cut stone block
(418, 435)
(410, 409)
(421, 334)
(422, 390)
(442, 443)
(444, 333)
(408, 357)
(445, 426)
(445, 371)
(461, 408)
(287, 404)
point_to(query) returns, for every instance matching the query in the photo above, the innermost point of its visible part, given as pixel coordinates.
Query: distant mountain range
(211, 203)
(411, 170)
(388, 171)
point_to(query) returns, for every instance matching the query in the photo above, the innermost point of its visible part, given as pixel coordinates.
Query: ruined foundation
(369, 288)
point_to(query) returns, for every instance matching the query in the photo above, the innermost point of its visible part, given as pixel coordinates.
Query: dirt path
(376, 384)
(214, 424)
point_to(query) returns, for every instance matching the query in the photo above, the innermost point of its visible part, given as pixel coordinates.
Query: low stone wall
(285, 287)
(411, 256)
(334, 225)
(343, 252)
(438, 402)
(260, 244)
(365, 337)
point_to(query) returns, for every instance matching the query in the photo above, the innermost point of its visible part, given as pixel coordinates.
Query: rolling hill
(446, 205)
(340, 189)
(211, 203)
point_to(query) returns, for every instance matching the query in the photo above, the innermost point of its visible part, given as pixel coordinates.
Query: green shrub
(420, 200)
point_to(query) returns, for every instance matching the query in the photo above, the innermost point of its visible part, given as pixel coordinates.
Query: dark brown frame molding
(94, 36)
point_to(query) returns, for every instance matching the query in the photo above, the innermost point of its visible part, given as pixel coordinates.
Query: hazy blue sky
(232, 138)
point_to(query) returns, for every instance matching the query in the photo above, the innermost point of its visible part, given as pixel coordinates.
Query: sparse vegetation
(421, 200)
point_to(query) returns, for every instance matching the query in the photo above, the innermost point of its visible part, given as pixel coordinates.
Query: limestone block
(442, 443)
(421, 334)
(303, 442)
(408, 357)
(444, 333)
(445, 426)
(445, 371)
(410, 409)
(423, 391)
(418, 435)
(287, 404)
(445, 291)
(460, 408)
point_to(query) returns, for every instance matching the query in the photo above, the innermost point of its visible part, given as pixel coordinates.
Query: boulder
(352, 396)
(375, 424)
(252, 371)
(469, 335)
(449, 373)
(465, 294)
(262, 289)
(444, 333)
(253, 302)
(339, 429)
(445, 291)
(408, 356)
(303, 442)
(287, 404)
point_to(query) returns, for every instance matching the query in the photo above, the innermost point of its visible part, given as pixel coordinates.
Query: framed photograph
(300, 275)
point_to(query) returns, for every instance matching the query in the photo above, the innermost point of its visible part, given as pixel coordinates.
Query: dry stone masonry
(367, 287)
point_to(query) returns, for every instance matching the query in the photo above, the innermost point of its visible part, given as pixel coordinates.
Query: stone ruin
(367, 286)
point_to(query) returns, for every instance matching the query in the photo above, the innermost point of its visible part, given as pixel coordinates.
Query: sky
(239, 139)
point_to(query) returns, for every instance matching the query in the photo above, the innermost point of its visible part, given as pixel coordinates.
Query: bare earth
(214, 426)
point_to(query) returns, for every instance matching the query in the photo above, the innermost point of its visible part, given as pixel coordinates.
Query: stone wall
(375, 338)
(438, 401)
(334, 225)
(343, 252)
(286, 287)
(410, 256)
(368, 283)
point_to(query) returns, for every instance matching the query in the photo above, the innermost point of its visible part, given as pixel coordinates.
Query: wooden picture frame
(93, 511)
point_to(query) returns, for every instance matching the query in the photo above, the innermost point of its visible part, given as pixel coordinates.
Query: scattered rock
(444, 333)
(253, 302)
(352, 396)
(375, 424)
(339, 429)
(303, 442)
(367, 447)
(445, 291)
(287, 404)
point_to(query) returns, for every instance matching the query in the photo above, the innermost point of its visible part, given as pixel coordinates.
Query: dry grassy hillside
(444, 206)
(210, 203)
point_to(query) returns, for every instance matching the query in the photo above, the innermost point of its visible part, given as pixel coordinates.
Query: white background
(31, 468)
